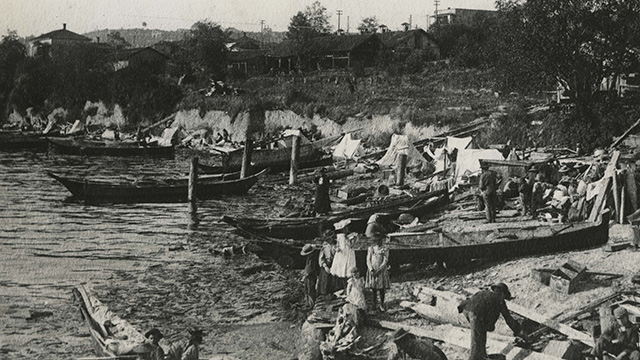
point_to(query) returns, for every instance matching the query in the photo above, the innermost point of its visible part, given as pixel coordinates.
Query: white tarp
(168, 136)
(459, 143)
(348, 148)
(287, 138)
(400, 144)
(469, 161)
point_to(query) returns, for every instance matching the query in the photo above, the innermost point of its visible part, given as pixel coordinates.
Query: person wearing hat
(345, 257)
(310, 274)
(377, 272)
(619, 339)
(482, 310)
(525, 190)
(489, 187)
(375, 226)
(537, 194)
(187, 349)
(154, 336)
(322, 204)
(325, 260)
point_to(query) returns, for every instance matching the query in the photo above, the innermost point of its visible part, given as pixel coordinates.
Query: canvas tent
(287, 138)
(400, 144)
(348, 148)
(469, 161)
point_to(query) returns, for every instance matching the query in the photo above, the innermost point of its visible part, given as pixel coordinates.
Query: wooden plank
(462, 338)
(605, 187)
(546, 321)
(543, 320)
(630, 187)
(625, 134)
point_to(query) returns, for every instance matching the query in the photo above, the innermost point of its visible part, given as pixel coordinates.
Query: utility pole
(436, 3)
(261, 32)
(339, 12)
(347, 24)
(410, 21)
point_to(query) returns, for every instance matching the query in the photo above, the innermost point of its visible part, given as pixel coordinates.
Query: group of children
(335, 269)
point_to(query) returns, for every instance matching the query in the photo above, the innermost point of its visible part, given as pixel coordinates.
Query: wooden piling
(193, 178)
(246, 158)
(295, 151)
(401, 169)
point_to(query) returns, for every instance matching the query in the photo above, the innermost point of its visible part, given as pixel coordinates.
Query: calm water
(46, 239)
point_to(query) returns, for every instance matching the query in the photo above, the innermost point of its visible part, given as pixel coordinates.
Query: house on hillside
(47, 45)
(245, 56)
(326, 52)
(146, 57)
(458, 16)
(402, 43)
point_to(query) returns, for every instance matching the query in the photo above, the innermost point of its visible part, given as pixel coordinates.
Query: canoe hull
(103, 192)
(101, 148)
(584, 236)
(272, 165)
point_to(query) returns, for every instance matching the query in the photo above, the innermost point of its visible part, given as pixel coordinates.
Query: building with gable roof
(146, 57)
(52, 42)
(404, 42)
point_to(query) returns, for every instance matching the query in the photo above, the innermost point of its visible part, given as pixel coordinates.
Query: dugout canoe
(153, 190)
(75, 146)
(11, 140)
(305, 228)
(502, 242)
(103, 339)
(311, 155)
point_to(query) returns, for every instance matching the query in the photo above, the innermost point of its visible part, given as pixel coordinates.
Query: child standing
(355, 290)
(377, 274)
(310, 275)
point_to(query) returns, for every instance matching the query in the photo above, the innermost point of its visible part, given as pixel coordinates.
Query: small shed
(404, 42)
(146, 57)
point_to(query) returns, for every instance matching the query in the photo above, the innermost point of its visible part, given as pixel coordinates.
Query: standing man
(619, 339)
(482, 310)
(488, 187)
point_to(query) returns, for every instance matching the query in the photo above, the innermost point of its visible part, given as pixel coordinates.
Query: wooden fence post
(246, 158)
(295, 151)
(401, 169)
(193, 178)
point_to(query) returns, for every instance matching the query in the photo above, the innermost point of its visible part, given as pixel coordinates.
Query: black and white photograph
(320, 180)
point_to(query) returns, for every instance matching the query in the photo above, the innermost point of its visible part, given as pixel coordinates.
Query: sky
(36, 17)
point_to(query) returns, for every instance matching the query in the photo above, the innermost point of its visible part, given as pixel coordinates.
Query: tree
(12, 54)
(117, 41)
(205, 45)
(369, 25)
(577, 43)
(312, 22)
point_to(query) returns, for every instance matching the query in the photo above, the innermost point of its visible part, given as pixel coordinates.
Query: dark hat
(196, 333)
(502, 287)
(306, 250)
(564, 169)
(155, 332)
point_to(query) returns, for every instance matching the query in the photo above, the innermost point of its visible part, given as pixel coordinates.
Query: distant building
(47, 45)
(404, 42)
(325, 52)
(457, 16)
(146, 57)
(243, 43)
(246, 56)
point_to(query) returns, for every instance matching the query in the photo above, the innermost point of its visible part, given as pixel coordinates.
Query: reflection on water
(38, 218)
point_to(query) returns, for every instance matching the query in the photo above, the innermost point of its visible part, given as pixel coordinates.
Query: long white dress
(345, 258)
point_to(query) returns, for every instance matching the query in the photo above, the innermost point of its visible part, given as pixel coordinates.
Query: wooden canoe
(305, 228)
(95, 315)
(75, 146)
(310, 155)
(155, 190)
(457, 248)
(18, 140)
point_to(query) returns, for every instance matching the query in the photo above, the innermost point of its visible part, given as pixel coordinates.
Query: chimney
(64, 26)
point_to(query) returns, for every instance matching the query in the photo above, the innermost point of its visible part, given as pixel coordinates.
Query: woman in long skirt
(377, 273)
(345, 257)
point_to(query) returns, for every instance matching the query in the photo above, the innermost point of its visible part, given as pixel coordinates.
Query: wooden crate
(566, 278)
(542, 275)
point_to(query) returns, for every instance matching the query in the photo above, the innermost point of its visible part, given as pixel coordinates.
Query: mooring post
(295, 151)
(401, 169)
(193, 178)
(246, 158)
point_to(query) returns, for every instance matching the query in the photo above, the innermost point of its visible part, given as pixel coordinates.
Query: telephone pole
(436, 3)
(347, 24)
(339, 12)
(261, 32)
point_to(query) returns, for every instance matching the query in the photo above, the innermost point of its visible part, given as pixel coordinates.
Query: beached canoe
(155, 190)
(103, 338)
(11, 140)
(305, 228)
(75, 146)
(505, 241)
(311, 155)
